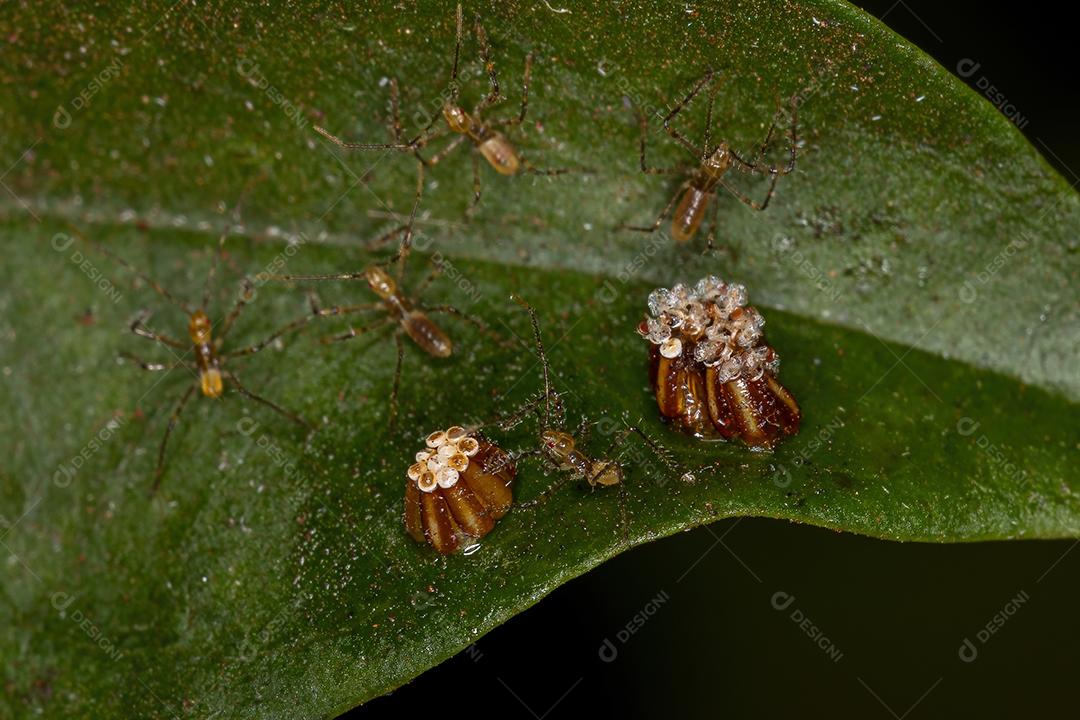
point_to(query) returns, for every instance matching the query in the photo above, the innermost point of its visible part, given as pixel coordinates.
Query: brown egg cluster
(457, 488)
(711, 369)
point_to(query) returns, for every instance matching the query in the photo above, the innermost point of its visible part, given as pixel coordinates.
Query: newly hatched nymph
(458, 487)
(485, 136)
(697, 192)
(405, 310)
(559, 447)
(712, 371)
(204, 342)
(563, 450)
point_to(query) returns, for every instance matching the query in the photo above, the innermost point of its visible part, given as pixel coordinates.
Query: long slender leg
(308, 278)
(794, 147)
(138, 326)
(661, 452)
(540, 354)
(584, 430)
(476, 185)
(392, 423)
(395, 130)
(494, 95)
(508, 422)
(525, 454)
(524, 91)
(409, 146)
(157, 287)
(436, 271)
(755, 167)
(155, 366)
(405, 246)
(395, 111)
(702, 471)
(711, 237)
(767, 140)
(291, 327)
(457, 57)
(268, 403)
(174, 418)
(426, 134)
(520, 117)
(544, 496)
(426, 137)
(746, 200)
(441, 155)
(533, 170)
(614, 452)
(385, 237)
(471, 319)
(357, 331)
(345, 309)
(707, 142)
(643, 124)
(214, 262)
(663, 214)
(674, 133)
(247, 291)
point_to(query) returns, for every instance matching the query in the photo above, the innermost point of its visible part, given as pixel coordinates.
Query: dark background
(897, 614)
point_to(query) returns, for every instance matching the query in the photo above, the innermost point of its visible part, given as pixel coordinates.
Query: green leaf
(918, 274)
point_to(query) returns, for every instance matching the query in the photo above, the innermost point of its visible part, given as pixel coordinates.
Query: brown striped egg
(458, 487)
(710, 367)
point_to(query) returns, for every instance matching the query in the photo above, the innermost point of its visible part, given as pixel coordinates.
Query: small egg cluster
(445, 458)
(713, 322)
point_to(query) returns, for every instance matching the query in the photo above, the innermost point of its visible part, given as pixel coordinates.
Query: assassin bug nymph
(405, 310)
(697, 192)
(563, 450)
(485, 136)
(205, 341)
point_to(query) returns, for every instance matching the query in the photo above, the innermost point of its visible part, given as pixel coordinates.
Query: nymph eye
(453, 492)
(724, 383)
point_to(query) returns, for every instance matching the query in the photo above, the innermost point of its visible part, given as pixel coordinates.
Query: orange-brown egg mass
(713, 373)
(458, 487)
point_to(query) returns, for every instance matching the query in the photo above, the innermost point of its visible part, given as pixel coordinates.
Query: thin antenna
(337, 276)
(457, 52)
(361, 146)
(406, 243)
(214, 262)
(541, 354)
(154, 284)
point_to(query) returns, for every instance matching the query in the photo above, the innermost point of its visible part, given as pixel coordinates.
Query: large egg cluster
(712, 324)
(445, 458)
